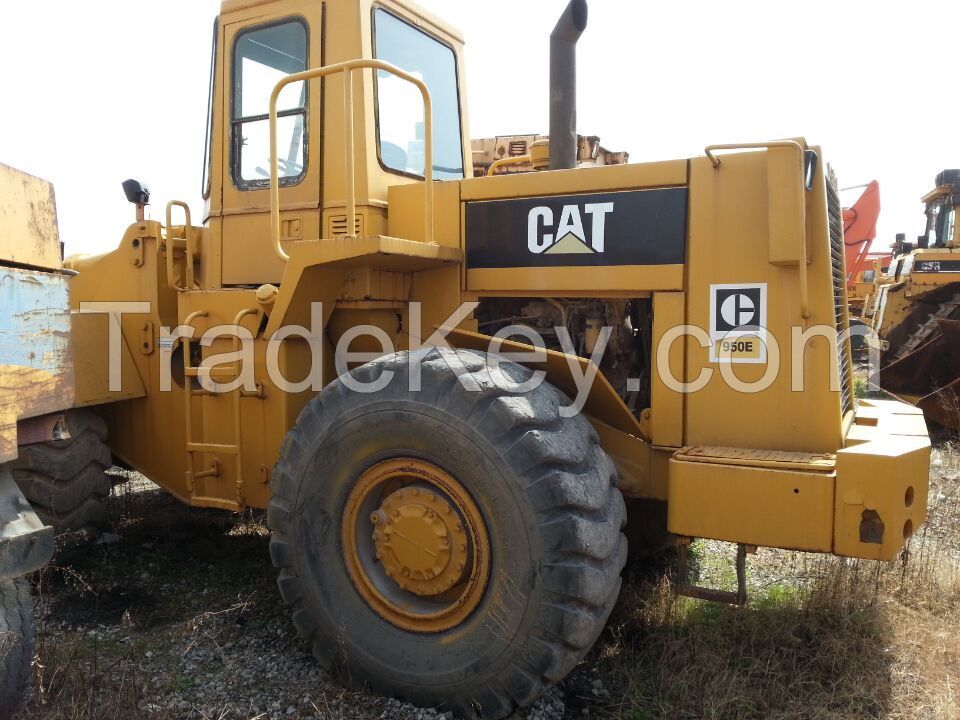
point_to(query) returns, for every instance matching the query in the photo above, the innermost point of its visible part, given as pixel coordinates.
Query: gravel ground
(175, 614)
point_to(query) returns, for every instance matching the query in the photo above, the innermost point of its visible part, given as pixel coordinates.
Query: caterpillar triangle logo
(547, 236)
(570, 245)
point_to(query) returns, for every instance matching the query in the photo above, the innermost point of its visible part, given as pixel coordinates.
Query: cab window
(400, 121)
(262, 57)
(949, 225)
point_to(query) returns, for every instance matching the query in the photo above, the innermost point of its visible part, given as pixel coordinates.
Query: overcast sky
(95, 92)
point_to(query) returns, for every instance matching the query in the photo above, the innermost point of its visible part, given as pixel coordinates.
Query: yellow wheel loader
(917, 311)
(445, 389)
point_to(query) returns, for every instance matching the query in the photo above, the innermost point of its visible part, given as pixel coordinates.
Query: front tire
(492, 482)
(16, 643)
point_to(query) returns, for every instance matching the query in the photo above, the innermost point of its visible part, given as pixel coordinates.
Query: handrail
(347, 69)
(237, 395)
(188, 264)
(711, 151)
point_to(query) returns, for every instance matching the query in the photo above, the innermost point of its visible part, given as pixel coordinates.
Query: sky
(95, 92)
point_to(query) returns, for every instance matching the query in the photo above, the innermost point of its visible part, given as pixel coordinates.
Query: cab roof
(228, 6)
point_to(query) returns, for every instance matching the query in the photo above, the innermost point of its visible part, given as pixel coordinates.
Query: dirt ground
(175, 614)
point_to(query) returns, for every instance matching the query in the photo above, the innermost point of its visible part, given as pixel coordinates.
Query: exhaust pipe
(563, 85)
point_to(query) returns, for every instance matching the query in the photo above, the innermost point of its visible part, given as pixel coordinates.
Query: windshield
(400, 121)
(941, 224)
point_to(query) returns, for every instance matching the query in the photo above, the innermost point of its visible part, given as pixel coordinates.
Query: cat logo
(547, 236)
(612, 229)
(738, 323)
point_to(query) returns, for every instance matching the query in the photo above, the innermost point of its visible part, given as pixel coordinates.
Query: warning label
(738, 321)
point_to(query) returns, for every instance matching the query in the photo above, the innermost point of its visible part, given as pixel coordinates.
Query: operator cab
(941, 212)
(259, 42)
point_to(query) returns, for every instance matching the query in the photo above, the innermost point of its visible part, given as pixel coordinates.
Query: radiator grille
(841, 310)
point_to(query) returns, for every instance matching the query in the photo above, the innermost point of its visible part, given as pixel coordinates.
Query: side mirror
(136, 192)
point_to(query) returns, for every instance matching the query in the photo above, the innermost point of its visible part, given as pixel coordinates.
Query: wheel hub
(421, 541)
(415, 545)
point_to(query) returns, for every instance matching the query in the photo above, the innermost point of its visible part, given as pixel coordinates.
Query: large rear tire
(532, 493)
(16, 643)
(65, 481)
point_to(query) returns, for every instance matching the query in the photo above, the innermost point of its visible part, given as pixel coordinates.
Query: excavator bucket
(929, 377)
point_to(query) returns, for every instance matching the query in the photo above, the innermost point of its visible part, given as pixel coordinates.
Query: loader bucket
(929, 377)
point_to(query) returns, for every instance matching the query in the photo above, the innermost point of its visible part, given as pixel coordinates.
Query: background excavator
(917, 311)
(859, 232)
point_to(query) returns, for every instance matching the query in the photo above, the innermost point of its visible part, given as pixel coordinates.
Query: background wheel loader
(444, 388)
(507, 154)
(917, 311)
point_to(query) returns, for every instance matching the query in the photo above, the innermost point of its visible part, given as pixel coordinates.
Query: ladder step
(212, 448)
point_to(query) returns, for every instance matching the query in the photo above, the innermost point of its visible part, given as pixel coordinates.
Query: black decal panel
(936, 266)
(646, 227)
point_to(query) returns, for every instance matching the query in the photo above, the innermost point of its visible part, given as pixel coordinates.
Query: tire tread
(565, 476)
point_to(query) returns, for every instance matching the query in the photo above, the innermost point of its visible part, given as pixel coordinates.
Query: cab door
(263, 44)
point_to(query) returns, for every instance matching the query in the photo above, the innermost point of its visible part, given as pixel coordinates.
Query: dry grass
(822, 639)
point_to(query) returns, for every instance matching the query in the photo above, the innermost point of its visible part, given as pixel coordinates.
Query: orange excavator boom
(860, 229)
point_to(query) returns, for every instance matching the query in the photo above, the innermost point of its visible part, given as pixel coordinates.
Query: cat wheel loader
(450, 393)
(917, 311)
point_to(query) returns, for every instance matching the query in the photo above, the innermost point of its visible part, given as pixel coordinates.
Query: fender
(621, 434)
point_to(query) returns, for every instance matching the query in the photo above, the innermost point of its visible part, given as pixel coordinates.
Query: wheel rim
(415, 545)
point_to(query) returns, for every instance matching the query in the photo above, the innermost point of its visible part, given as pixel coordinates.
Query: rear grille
(841, 310)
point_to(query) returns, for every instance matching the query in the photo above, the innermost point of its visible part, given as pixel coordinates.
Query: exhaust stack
(563, 85)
